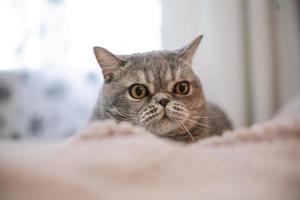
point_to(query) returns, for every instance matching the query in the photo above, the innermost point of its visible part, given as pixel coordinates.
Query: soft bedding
(109, 161)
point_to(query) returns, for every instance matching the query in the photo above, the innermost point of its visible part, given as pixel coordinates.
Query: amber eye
(138, 91)
(182, 88)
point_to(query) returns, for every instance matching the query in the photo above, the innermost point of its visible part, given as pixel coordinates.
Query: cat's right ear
(109, 63)
(188, 51)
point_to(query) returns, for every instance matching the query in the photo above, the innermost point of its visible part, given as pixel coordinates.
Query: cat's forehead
(156, 69)
(153, 63)
(154, 59)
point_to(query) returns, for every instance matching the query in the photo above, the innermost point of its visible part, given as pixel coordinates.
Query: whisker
(187, 130)
(151, 127)
(206, 116)
(210, 117)
(202, 104)
(197, 123)
(200, 125)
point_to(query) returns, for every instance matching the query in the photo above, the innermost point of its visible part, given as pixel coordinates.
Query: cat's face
(156, 90)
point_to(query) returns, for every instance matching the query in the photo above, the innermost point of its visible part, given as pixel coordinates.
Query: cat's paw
(108, 128)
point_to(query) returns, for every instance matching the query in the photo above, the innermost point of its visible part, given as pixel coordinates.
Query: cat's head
(157, 90)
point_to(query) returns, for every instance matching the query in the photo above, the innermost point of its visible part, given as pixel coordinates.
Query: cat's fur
(181, 117)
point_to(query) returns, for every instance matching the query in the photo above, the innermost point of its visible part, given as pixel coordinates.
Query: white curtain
(249, 58)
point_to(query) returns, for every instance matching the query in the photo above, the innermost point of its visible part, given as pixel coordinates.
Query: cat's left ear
(110, 64)
(189, 50)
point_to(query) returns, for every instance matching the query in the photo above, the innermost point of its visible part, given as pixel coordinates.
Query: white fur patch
(178, 73)
(151, 76)
(170, 86)
(142, 77)
(168, 75)
(151, 82)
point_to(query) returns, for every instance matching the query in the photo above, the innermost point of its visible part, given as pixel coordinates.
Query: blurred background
(248, 61)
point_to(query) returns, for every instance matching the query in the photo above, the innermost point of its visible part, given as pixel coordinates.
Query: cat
(159, 91)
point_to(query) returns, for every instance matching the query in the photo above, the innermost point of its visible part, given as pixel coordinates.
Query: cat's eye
(182, 88)
(138, 91)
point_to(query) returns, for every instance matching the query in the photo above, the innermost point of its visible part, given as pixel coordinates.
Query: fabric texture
(109, 161)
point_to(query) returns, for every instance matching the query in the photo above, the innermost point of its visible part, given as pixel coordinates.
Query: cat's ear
(109, 63)
(189, 50)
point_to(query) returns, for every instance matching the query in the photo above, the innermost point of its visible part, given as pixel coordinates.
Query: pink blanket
(122, 162)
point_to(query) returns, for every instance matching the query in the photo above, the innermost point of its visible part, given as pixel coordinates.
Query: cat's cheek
(177, 113)
(150, 114)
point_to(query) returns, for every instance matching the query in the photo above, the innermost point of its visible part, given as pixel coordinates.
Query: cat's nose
(163, 102)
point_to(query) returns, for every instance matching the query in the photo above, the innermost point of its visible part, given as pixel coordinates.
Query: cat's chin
(164, 126)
